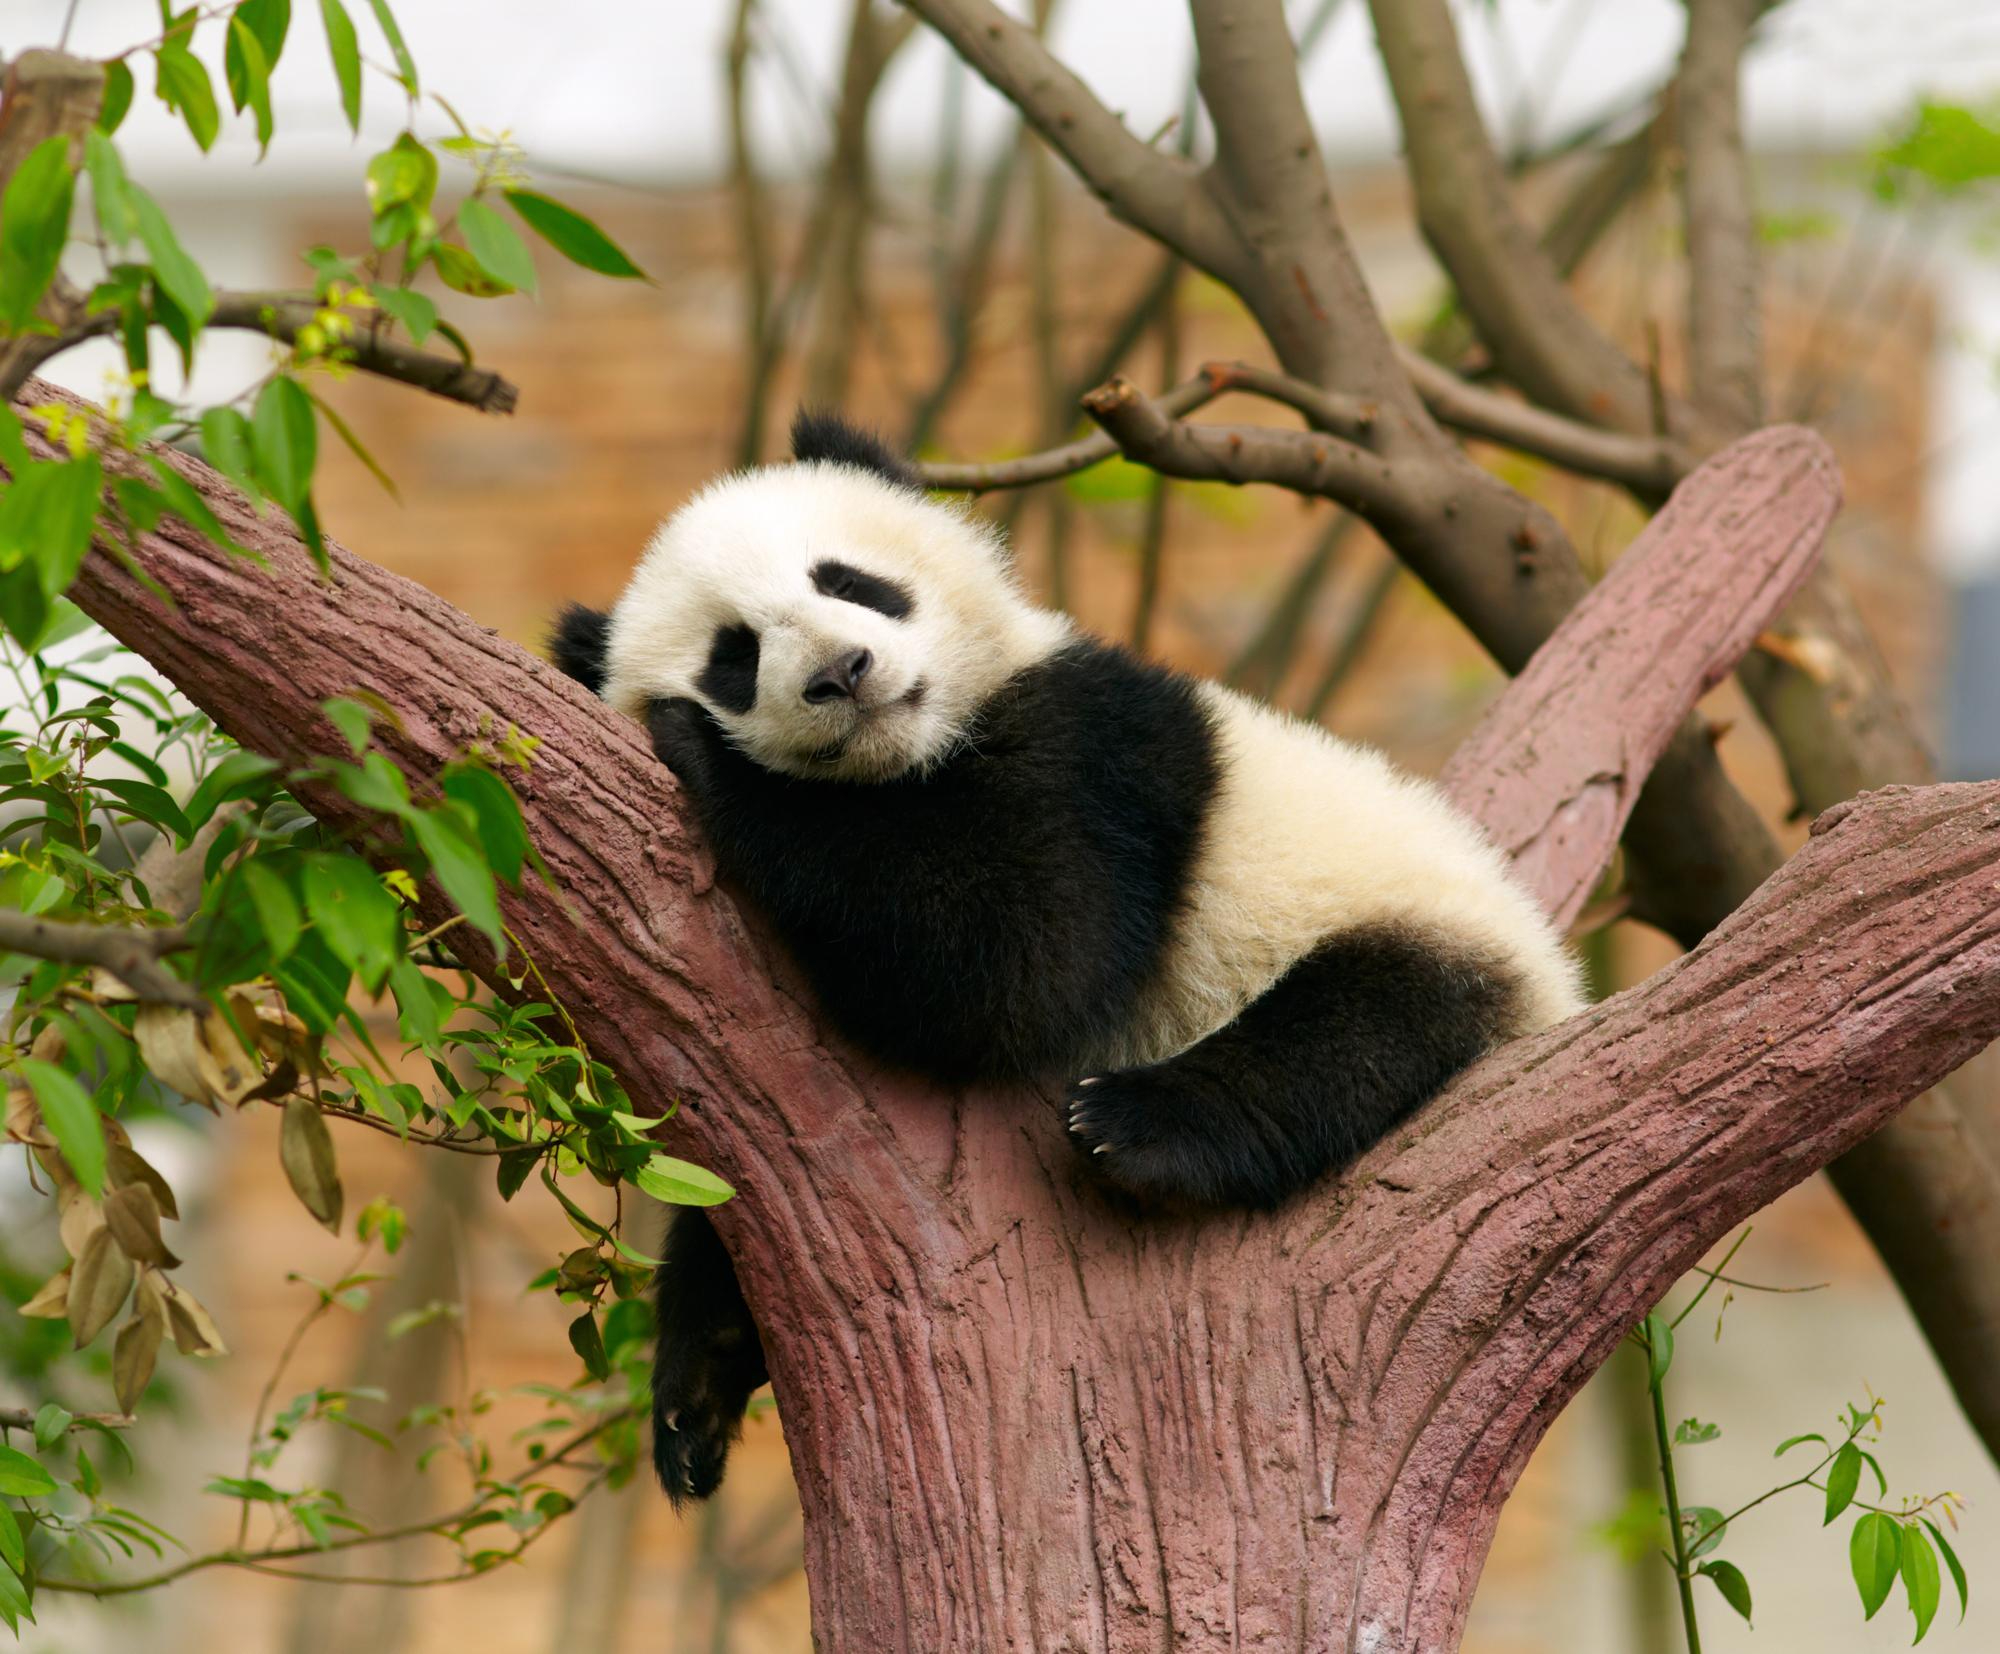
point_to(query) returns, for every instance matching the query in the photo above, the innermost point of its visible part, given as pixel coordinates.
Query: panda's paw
(691, 1443)
(1140, 1131)
(683, 732)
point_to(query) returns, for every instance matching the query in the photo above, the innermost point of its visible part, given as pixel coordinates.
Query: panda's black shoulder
(1135, 738)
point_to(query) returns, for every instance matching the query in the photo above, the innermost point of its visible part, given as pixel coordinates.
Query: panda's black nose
(838, 680)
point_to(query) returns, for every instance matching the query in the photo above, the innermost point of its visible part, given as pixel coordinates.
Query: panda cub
(1001, 850)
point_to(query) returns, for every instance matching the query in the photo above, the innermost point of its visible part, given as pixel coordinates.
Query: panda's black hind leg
(707, 1357)
(1342, 1047)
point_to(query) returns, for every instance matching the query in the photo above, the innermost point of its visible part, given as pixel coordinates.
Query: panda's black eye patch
(730, 677)
(833, 578)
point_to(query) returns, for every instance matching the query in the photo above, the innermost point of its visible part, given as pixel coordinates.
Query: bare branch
(1725, 286)
(1649, 466)
(1306, 462)
(132, 953)
(1537, 333)
(281, 315)
(1066, 461)
(1156, 192)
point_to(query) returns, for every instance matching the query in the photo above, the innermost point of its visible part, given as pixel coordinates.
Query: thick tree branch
(1664, 626)
(1538, 334)
(1079, 1425)
(132, 953)
(1151, 189)
(1725, 286)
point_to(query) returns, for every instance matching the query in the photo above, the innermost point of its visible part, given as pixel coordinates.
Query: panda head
(835, 621)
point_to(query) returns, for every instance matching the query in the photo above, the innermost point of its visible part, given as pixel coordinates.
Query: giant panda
(1001, 850)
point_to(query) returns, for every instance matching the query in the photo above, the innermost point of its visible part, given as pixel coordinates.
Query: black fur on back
(818, 434)
(576, 644)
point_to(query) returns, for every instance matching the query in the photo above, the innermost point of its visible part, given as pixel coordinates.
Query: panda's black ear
(823, 436)
(576, 644)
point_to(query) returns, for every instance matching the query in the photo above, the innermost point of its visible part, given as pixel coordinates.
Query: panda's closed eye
(730, 677)
(833, 578)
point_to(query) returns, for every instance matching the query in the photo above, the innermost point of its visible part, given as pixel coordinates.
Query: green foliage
(1884, 1545)
(1946, 149)
(312, 947)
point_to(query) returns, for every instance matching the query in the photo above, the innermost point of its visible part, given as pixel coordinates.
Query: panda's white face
(836, 624)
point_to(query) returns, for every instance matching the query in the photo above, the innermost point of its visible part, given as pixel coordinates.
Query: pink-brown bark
(1023, 1415)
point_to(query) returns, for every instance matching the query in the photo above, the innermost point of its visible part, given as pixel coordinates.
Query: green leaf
(314, 983)
(1705, 1528)
(458, 863)
(571, 234)
(72, 1119)
(1841, 1481)
(111, 194)
(404, 174)
(117, 96)
(1948, 147)
(13, 1548)
(177, 275)
(358, 919)
(351, 718)
(460, 271)
(406, 69)
(21, 1477)
(1729, 1580)
(284, 438)
(181, 80)
(417, 1009)
(276, 908)
(1951, 1561)
(1693, 1432)
(417, 314)
(1791, 1442)
(1660, 1347)
(502, 833)
(1919, 1568)
(226, 445)
(680, 1183)
(34, 223)
(236, 775)
(588, 1342)
(52, 1423)
(46, 518)
(248, 72)
(1873, 1552)
(346, 54)
(498, 247)
(150, 803)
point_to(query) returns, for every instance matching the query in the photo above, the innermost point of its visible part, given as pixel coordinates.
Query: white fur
(740, 552)
(1308, 835)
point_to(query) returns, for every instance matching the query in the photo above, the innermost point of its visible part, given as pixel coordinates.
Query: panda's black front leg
(707, 1357)
(1344, 1046)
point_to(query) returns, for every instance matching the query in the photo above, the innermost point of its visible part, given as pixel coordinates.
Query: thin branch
(1649, 466)
(1537, 332)
(1725, 285)
(282, 315)
(1072, 457)
(1154, 191)
(22, 1418)
(132, 953)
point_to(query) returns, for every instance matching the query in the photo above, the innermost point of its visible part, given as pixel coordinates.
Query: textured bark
(1023, 1415)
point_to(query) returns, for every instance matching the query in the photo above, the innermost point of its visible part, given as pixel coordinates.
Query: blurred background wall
(1884, 326)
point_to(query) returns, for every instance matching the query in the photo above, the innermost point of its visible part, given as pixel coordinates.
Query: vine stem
(1682, 1576)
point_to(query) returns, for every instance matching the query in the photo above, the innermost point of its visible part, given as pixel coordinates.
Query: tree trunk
(1023, 1414)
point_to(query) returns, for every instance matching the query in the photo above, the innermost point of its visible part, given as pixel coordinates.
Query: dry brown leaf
(98, 1283)
(133, 1217)
(133, 1358)
(305, 1147)
(51, 1299)
(81, 1216)
(194, 1329)
(125, 1165)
